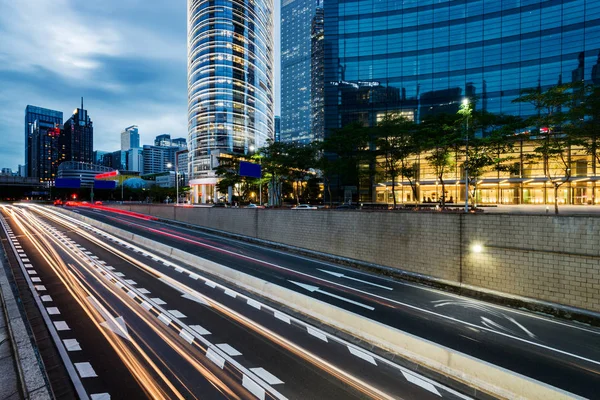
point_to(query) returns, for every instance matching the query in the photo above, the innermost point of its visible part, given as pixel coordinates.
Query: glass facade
(417, 57)
(230, 81)
(130, 138)
(296, 31)
(45, 117)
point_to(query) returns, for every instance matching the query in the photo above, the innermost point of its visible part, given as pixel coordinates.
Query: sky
(127, 58)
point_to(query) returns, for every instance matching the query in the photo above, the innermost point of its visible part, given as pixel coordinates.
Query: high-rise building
(115, 160)
(47, 150)
(44, 116)
(415, 58)
(317, 77)
(135, 159)
(230, 84)
(179, 142)
(22, 171)
(78, 137)
(277, 128)
(159, 159)
(163, 140)
(99, 156)
(296, 20)
(130, 138)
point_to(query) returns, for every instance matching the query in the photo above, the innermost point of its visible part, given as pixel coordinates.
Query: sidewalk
(21, 376)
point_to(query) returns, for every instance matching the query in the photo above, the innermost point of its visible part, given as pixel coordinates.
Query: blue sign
(250, 170)
(105, 184)
(66, 183)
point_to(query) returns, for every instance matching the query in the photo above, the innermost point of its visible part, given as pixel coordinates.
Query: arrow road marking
(313, 289)
(114, 324)
(337, 274)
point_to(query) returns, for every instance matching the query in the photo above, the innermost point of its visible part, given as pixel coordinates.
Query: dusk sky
(127, 58)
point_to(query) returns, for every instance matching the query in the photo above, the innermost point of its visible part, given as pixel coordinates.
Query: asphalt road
(562, 354)
(134, 324)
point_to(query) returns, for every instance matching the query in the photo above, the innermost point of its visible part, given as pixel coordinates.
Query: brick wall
(551, 258)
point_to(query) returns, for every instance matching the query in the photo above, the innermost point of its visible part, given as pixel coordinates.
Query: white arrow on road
(114, 324)
(313, 289)
(339, 275)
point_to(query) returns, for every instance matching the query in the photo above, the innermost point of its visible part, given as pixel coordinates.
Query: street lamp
(465, 104)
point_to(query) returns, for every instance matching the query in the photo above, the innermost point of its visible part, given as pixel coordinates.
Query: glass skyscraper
(230, 84)
(78, 137)
(130, 138)
(45, 118)
(296, 24)
(416, 57)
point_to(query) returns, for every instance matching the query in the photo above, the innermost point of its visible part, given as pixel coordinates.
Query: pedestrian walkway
(9, 388)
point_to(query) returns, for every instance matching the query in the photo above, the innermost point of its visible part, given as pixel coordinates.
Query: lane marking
(158, 301)
(53, 310)
(230, 293)
(40, 288)
(316, 334)
(214, 357)
(253, 387)
(266, 376)
(35, 279)
(211, 284)
(130, 281)
(362, 354)
(282, 317)
(144, 291)
(420, 382)
(164, 319)
(119, 274)
(177, 314)
(253, 303)
(230, 351)
(72, 344)
(61, 326)
(186, 336)
(85, 370)
(46, 298)
(100, 396)
(313, 289)
(32, 272)
(199, 330)
(340, 275)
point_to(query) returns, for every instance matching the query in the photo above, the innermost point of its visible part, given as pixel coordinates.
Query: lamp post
(465, 104)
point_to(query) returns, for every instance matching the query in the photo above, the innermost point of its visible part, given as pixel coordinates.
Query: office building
(115, 160)
(317, 77)
(135, 159)
(415, 58)
(99, 156)
(158, 159)
(44, 117)
(296, 26)
(277, 128)
(78, 137)
(179, 142)
(85, 172)
(47, 150)
(130, 138)
(22, 171)
(230, 84)
(163, 140)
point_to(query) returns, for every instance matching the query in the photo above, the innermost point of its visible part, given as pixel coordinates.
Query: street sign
(105, 184)
(67, 183)
(250, 170)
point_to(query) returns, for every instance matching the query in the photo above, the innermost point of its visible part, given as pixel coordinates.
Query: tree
(302, 160)
(275, 164)
(586, 117)
(553, 131)
(396, 141)
(441, 136)
(228, 172)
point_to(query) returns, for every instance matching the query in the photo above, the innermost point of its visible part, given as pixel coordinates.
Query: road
(562, 354)
(133, 324)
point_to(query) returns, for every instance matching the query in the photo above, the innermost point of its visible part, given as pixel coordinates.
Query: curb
(479, 374)
(31, 374)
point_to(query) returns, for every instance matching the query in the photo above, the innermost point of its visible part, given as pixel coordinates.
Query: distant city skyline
(127, 60)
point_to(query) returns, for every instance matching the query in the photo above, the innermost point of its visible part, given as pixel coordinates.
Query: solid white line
(85, 370)
(420, 382)
(267, 376)
(230, 351)
(253, 387)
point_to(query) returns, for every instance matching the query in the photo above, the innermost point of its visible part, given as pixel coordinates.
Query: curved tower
(230, 84)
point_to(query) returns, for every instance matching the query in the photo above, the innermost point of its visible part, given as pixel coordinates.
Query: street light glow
(465, 102)
(477, 248)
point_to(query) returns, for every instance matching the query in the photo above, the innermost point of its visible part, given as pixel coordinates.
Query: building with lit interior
(230, 84)
(419, 57)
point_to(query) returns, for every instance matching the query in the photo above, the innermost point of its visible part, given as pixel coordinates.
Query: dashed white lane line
(144, 291)
(266, 376)
(186, 336)
(72, 344)
(164, 319)
(40, 288)
(32, 272)
(131, 281)
(85, 370)
(282, 317)
(158, 301)
(61, 326)
(230, 293)
(253, 387)
(53, 310)
(253, 303)
(194, 277)
(25, 259)
(35, 279)
(214, 357)
(363, 355)
(420, 382)
(177, 314)
(211, 284)
(180, 270)
(316, 334)
(230, 351)
(46, 298)
(199, 330)
(100, 396)
(120, 274)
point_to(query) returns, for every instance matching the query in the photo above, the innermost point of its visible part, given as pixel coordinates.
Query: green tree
(553, 131)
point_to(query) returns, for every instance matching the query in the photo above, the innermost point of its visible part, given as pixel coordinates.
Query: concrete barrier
(476, 373)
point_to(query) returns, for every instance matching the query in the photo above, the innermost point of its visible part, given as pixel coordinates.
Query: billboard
(105, 184)
(250, 170)
(67, 183)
